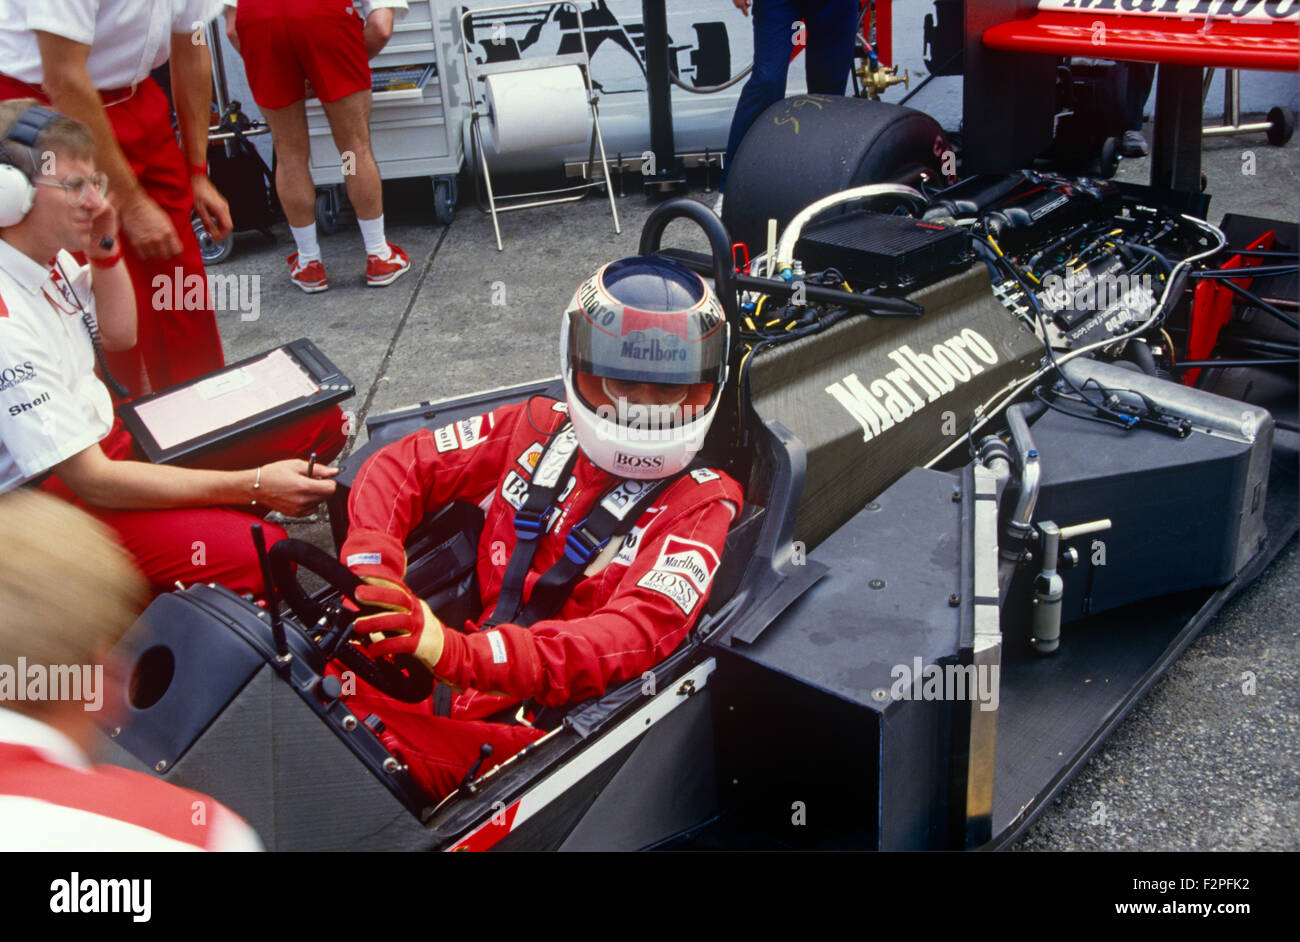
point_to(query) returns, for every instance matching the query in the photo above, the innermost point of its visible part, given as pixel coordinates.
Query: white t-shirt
(52, 405)
(128, 39)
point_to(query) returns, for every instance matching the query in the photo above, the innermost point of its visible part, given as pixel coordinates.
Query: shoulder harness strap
(614, 514)
(531, 519)
(618, 509)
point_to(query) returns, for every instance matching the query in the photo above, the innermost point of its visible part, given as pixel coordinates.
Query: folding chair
(475, 73)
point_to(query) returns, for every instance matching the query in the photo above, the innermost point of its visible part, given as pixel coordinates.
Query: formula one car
(1000, 436)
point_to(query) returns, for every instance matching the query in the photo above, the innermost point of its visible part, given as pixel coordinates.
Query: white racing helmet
(643, 320)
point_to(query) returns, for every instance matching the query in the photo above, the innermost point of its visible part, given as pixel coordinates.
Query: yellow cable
(740, 381)
(1169, 348)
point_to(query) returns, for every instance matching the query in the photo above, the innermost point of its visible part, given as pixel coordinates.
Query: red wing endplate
(1212, 33)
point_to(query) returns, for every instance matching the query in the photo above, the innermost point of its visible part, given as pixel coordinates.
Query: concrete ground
(1198, 764)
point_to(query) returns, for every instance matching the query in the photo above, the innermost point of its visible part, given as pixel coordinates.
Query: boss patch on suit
(514, 490)
(683, 572)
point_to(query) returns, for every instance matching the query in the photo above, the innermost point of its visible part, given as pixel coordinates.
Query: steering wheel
(404, 678)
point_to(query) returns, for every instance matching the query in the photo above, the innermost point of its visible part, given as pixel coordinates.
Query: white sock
(305, 238)
(372, 233)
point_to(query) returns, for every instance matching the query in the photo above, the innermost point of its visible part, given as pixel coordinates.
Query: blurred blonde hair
(68, 591)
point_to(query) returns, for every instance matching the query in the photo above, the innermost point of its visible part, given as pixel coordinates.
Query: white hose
(785, 249)
(1017, 387)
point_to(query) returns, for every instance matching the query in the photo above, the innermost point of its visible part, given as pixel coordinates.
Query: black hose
(1140, 354)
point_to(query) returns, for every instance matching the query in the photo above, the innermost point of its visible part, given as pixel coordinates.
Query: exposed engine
(1082, 265)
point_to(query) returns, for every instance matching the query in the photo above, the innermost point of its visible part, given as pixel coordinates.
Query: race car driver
(644, 351)
(57, 429)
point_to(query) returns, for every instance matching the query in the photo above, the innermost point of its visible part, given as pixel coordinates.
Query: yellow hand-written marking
(800, 102)
(787, 119)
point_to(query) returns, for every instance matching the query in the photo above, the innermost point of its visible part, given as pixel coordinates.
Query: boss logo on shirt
(514, 490)
(11, 376)
(682, 572)
(24, 406)
(638, 462)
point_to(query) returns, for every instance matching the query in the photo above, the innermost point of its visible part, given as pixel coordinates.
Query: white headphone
(17, 193)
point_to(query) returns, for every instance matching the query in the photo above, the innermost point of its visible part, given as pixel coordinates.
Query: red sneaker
(309, 277)
(384, 271)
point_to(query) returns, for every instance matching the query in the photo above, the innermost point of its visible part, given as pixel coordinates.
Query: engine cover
(873, 397)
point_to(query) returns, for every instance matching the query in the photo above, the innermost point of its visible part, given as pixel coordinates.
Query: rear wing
(1213, 33)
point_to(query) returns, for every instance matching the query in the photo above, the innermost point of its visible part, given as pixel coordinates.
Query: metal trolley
(416, 117)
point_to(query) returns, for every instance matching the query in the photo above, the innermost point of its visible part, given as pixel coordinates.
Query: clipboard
(257, 393)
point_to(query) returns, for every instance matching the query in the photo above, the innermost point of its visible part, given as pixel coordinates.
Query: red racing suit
(633, 606)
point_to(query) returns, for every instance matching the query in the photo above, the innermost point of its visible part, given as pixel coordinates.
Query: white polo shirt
(128, 39)
(52, 405)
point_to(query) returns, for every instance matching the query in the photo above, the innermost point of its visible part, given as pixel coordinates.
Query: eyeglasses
(77, 187)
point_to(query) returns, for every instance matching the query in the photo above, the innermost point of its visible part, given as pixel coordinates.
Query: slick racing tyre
(809, 146)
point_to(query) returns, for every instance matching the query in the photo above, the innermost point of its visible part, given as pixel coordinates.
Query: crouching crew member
(67, 594)
(57, 428)
(601, 538)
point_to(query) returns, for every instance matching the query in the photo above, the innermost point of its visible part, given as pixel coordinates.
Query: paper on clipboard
(225, 399)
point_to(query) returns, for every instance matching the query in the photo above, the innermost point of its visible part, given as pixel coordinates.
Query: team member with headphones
(91, 60)
(57, 429)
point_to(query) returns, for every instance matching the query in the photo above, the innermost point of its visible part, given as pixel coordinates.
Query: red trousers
(209, 544)
(173, 345)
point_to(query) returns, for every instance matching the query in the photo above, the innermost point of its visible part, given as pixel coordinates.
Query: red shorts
(287, 44)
